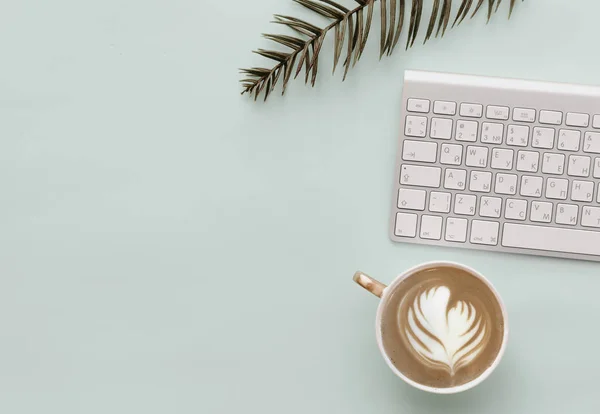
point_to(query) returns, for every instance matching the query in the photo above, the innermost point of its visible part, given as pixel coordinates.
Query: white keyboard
(498, 164)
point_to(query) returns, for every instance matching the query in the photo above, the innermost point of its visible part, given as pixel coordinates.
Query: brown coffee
(442, 327)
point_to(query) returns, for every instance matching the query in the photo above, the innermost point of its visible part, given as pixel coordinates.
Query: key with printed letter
(541, 211)
(455, 179)
(451, 154)
(481, 181)
(502, 158)
(465, 204)
(477, 156)
(515, 209)
(490, 207)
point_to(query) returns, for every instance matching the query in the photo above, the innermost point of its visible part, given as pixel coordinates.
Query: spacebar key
(551, 238)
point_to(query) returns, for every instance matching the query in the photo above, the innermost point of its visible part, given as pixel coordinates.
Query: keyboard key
(597, 168)
(484, 232)
(556, 188)
(518, 135)
(523, 114)
(466, 131)
(554, 239)
(420, 176)
(411, 199)
(441, 128)
(541, 211)
(579, 166)
(591, 142)
(515, 209)
(416, 126)
(502, 158)
(551, 117)
(491, 133)
(431, 227)
(490, 207)
(480, 181)
(567, 214)
(439, 202)
(553, 163)
(497, 112)
(582, 191)
(577, 120)
(418, 105)
(406, 225)
(451, 154)
(596, 121)
(477, 156)
(419, 151)
(455, 179)
(506, 184)
(444, 108)
(590, 217)
(471, 110)
(527, 161)
(568, 140)
(531, 186)
(543, 138)
(456, 230)
(464, 204)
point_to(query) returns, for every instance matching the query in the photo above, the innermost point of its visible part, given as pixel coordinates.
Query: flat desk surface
(168, 246)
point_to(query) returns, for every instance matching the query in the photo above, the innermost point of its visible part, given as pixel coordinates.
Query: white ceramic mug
(384, 292)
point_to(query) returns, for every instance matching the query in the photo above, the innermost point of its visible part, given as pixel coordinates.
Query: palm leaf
(350, 46)
(444, 17)
(351, 28)
(384, 38)
(434, 13)
(415, 21)
(399, 26)
(465, 6)
(370, 4)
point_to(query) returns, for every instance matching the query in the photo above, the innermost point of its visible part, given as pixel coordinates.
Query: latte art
(442, 327)
(443, 336)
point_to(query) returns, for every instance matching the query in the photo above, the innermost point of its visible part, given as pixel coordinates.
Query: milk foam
(445, 337)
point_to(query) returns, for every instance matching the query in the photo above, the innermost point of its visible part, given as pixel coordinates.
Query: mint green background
(167, 246)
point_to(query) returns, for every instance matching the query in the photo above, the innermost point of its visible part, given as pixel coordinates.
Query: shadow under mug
(384, 292)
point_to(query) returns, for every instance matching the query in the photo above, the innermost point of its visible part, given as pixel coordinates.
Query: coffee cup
(440, 326)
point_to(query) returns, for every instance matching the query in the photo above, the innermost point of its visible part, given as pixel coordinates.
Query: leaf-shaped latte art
(442, 336)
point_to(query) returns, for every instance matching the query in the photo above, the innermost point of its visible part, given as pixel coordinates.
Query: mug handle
(367, 282)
